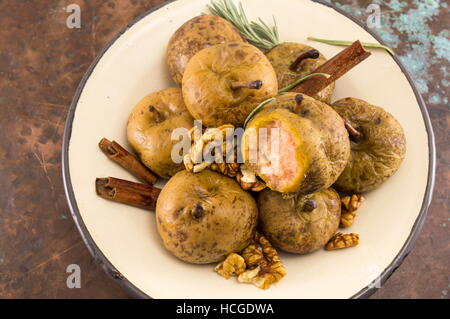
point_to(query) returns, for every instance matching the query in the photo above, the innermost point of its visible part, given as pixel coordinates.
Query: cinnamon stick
(336, 67)
(125, 159)
(126, 192)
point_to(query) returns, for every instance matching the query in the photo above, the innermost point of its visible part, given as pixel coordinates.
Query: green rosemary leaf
(275, 29)
(347, 43)
(264, 31)
(256, 110)
(257, 33)
(297, 82)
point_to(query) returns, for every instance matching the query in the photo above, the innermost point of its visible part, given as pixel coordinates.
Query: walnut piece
(234, 264)
(350, 205)
(262, 265)
(248, 180)
(347, 219)
(353, 203)
(341, 240)
(228, 169)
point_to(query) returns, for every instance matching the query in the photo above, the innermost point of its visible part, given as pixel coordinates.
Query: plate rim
(134, 291)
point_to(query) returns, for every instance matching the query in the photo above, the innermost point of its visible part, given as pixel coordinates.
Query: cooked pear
(222, 84)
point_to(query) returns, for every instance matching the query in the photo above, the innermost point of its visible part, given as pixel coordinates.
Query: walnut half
(234, 264)
(341, 240)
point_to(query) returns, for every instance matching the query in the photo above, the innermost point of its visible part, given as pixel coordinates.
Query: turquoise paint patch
(423, 48)
(441, 45)
(353, 8)
(63, 217)
(414, 23)
(435, 99)
(417, 64)
(391, 39)
(396, 5)
(428, 6)
(386, 33)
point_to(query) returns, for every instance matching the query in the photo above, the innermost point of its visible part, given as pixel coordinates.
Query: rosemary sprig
(256, 110)
(298, 81)
(287, 88)
(347, 43)
(257, 33)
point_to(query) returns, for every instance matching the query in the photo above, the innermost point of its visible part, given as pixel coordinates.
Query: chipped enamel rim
(130, 288)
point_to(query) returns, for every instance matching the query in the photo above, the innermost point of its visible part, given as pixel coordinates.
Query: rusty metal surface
(41, 64)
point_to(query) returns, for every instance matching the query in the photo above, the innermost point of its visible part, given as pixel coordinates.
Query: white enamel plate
(125, 240)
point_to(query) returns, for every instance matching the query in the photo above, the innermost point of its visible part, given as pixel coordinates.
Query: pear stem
(353, 132)
(311, 54)
(252, 85)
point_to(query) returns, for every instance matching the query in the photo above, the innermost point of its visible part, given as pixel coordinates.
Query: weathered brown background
(41, 64)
